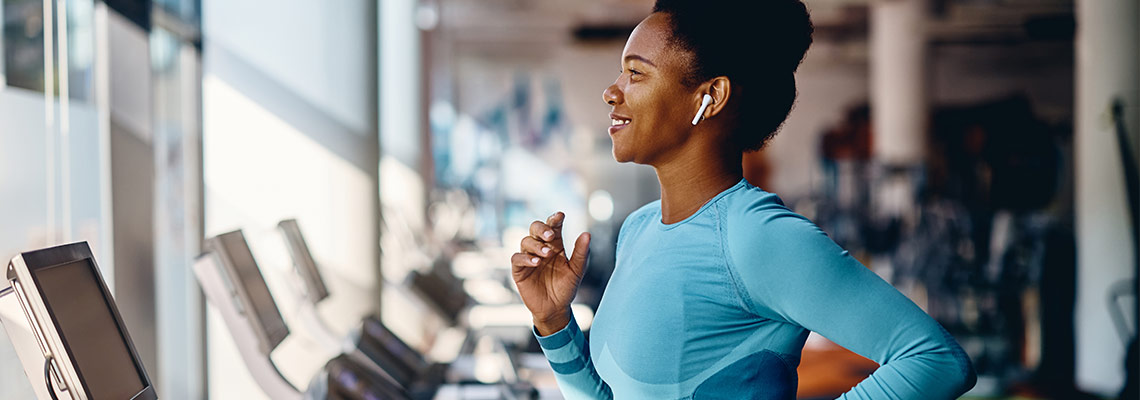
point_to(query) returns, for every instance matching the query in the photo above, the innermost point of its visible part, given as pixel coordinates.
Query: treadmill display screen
(83, 316)
(251, 280)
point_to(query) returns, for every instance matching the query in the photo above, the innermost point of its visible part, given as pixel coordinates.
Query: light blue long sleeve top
(718, 306)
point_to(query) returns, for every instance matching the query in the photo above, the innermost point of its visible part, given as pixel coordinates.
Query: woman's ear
(720, 88)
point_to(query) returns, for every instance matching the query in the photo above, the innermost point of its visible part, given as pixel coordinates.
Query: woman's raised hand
(546, 278)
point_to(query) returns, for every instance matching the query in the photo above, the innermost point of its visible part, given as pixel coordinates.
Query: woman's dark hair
(757, 44)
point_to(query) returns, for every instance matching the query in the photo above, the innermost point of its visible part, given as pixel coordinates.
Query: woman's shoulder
(754, 213)
(752, 204)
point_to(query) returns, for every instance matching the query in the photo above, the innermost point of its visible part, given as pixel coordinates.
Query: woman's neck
(690, 182)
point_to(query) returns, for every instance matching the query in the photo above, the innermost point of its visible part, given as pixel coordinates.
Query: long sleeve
(789, 270)
(569, 354)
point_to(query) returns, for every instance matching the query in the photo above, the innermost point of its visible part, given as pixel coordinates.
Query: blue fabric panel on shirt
(761, 376)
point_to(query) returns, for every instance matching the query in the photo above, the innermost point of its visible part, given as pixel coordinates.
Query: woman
(717, 284)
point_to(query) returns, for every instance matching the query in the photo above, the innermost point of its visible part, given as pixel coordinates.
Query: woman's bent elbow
(965, 377)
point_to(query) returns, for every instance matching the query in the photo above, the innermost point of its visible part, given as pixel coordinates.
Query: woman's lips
(618, 123)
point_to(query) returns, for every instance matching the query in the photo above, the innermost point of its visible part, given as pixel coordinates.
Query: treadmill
(438, 288)
(370, 339)
(232, 282)
(71, 340)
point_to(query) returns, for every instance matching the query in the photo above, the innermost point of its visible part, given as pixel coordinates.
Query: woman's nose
(612, 95)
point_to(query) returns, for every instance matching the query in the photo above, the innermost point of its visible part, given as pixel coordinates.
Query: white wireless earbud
(701, 112)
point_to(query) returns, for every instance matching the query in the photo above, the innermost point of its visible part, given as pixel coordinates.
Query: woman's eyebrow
(640, 58)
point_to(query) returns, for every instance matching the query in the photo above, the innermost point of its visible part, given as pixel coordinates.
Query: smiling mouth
(619, 122)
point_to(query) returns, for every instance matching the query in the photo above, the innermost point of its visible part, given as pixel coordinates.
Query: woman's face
(652, 109)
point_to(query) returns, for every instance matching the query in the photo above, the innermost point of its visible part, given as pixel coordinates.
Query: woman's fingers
(550, 231)
(555, 221)
(534, 247)
(554, 228)
(541, 231)
(524, 260)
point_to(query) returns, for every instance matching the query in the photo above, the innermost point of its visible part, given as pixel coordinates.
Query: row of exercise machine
(73, 344)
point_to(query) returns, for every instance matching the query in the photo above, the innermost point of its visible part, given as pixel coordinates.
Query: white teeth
(616, 122)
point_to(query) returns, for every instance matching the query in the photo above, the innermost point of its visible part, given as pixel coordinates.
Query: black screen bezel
(45, 259)
(268, 340)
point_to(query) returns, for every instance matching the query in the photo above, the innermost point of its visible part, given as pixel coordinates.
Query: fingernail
(534, 260)
(545, 250)
(548, 234)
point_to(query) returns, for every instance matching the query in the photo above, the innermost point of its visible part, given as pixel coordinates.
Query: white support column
(899, 107)
(179, 305)
(899, 102)
(1106, 69)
